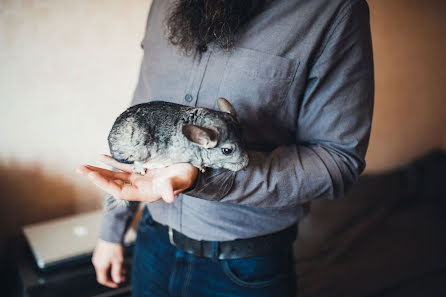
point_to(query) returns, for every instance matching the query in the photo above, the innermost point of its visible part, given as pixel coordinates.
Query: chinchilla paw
(139, 168)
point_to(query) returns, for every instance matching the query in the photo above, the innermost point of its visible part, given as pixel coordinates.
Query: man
(300, 76)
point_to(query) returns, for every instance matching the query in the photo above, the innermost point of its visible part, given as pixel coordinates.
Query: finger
(113, 163)
(123, 274)
(119, 182)
(83, 170)
(176, 192)
(165, 189)
(108, 173)
(116, 272)
(105, 184)
(118, 189)
(87, 169)
(102, 276)
(133, 193)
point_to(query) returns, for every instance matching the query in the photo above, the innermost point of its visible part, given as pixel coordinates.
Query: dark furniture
(385, 238)
(77, 279)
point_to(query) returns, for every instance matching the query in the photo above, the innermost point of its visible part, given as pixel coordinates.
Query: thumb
(116, 272)
(166, 191)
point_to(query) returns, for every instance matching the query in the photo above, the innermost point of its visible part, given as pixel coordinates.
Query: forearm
(287, 176)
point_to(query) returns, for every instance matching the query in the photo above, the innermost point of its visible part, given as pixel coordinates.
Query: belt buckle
(172, 242)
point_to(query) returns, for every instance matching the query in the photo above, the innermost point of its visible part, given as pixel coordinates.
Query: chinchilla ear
(202, 136)
(225, 106)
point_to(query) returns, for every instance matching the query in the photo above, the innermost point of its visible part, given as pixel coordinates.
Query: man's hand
(107, 261)
(163, 183)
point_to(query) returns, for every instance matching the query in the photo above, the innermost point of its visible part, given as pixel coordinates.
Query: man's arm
(333, 129)
(115, 222)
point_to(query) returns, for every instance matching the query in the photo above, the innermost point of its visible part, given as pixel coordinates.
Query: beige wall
(68, 68)
(410, 62)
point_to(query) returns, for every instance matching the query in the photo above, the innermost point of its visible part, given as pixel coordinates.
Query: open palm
(162, 183)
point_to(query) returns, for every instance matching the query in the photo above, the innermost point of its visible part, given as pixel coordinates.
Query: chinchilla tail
(111, 203)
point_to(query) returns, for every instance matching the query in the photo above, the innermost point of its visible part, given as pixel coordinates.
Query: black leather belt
(234, 249)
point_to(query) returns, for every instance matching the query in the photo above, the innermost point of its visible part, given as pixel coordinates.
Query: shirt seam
(346, 11)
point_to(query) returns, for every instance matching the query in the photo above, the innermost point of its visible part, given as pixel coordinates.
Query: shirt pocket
(258, 78)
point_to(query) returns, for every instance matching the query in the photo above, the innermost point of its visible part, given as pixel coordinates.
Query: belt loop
(215, 250)
(172, 242)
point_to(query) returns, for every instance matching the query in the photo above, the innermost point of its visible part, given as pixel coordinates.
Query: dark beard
(193, 24)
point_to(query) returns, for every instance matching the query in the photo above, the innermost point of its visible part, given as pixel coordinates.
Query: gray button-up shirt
(301, 81)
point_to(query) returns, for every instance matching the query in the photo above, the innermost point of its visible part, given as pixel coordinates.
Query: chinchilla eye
(226, 151)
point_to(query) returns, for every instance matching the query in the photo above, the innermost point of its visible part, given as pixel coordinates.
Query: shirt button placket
(197, 73)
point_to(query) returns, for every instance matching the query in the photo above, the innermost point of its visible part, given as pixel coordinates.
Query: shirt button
(188, 98)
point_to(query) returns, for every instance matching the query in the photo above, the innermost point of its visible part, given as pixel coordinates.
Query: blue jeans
(160, 269)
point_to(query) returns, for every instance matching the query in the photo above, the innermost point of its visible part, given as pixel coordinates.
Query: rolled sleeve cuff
(115, 222)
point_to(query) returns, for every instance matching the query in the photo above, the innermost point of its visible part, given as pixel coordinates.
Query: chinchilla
(158, 134)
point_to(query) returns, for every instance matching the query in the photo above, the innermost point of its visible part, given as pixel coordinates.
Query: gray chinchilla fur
(158, 134)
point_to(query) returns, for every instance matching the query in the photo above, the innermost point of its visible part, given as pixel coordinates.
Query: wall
(410, 63)
(69, 67)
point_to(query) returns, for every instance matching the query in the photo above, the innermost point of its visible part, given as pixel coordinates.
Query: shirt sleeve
(332, 130)
(115, 222)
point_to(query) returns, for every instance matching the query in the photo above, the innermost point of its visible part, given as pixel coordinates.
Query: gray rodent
(158, 134)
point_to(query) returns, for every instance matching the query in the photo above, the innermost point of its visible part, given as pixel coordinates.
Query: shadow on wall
(30, 194)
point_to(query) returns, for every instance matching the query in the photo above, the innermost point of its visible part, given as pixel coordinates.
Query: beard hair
(193, 24)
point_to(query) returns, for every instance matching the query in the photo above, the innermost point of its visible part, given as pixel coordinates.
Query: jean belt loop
(215, 250)
(171, 239)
